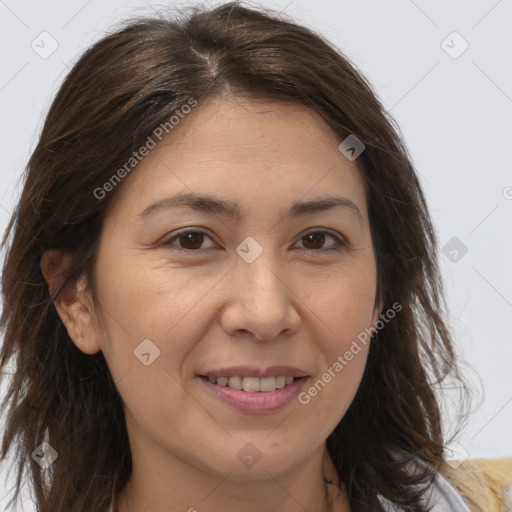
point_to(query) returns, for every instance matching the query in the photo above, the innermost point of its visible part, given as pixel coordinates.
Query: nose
(260, 302)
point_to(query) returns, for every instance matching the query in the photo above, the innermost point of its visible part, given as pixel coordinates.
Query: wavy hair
(121, 89)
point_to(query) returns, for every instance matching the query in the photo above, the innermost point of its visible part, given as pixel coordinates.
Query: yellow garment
(486, 483)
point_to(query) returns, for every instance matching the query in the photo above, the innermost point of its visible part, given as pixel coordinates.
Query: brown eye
(314, 240)
(192, 240)
(188, 240)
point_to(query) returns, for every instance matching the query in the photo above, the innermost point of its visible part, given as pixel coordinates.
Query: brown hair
(118, 92)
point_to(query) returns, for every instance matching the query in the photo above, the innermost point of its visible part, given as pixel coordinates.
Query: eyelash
(342, 245)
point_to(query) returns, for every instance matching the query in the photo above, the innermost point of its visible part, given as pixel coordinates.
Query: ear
(74, 303)
(377, 311)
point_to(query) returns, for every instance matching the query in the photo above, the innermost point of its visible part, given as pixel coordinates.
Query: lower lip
(260, 402)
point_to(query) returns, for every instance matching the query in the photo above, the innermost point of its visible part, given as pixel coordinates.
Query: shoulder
(486, 483)
(473, 485)
(441, 496)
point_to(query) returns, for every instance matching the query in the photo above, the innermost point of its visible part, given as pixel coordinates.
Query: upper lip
(253, 371)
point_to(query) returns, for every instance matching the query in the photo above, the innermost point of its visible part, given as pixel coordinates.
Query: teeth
(267, 384)
(253, 384)
(235, 382)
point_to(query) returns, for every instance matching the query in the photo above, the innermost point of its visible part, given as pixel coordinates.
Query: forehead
(244, 148)
(240, 127)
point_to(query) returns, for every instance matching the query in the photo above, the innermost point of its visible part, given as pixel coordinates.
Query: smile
(247, 396)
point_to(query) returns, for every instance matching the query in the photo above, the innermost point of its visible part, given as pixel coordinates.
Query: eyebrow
(232, 209)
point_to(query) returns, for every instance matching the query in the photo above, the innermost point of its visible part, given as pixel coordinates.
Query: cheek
(329, 394)
(344, 304)
(341, 309)
(151, 313)
(147, 299)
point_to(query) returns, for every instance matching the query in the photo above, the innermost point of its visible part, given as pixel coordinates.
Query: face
(186, 292)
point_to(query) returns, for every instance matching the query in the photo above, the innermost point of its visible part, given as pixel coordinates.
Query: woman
(221, 286)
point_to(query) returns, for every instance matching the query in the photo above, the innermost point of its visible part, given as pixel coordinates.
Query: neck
(304, 488)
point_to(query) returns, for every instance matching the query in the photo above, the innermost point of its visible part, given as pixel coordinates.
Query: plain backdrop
(443, 71)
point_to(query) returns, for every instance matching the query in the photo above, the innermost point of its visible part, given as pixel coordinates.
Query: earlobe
(73, 304)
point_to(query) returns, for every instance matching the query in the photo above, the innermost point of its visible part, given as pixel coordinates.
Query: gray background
(454, 109)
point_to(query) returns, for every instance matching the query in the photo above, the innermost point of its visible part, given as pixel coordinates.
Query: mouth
(254, 391)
